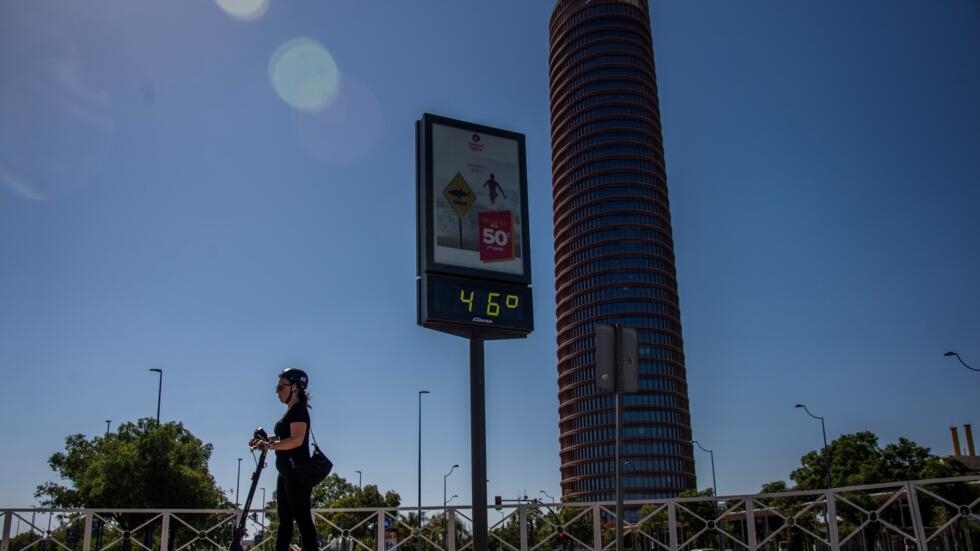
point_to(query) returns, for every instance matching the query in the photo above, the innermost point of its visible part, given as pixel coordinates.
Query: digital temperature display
(476, 303)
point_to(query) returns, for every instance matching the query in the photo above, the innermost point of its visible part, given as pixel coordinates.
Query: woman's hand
(256, 443)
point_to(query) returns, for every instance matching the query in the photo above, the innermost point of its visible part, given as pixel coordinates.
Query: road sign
(459, 194)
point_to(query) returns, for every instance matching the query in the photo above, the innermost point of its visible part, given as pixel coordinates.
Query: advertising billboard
(474, 263)
(472, 201)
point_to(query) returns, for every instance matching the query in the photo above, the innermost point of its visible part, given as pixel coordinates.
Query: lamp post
(238, 482)
(826, 449)
(107, 423)
(444, 477)
(714, 481)
(452, 497)
(547, 495)
(714, 484)
(418, 518)
(358, 479)
(159, 372)
(957, 356)
(264, 505)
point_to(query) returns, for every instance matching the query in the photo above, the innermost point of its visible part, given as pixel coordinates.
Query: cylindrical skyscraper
(614, 253)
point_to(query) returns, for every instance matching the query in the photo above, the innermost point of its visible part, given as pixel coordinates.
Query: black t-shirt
(285, 459)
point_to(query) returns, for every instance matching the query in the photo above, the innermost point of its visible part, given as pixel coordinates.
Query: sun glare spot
(304, 75)
(347, 131)
(244, 10)
(57, 129)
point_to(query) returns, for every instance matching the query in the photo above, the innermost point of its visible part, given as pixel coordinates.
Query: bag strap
(313, 436)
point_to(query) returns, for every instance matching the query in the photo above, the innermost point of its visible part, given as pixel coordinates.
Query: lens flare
(345, 132)
(57, 129)
(304, 75)
(244, 10)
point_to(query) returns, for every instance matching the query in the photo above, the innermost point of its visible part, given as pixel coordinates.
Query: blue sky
(163, 206)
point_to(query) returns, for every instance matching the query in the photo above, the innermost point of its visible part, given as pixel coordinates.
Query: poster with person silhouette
(477, 200)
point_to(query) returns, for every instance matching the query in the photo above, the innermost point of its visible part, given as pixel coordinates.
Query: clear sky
(181, 189)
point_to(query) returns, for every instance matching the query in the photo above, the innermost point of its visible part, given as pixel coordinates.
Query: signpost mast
(474, 266)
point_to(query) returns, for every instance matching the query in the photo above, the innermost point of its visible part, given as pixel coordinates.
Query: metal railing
(939, 515)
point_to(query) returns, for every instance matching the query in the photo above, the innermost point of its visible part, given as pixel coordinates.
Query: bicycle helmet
(295, 376)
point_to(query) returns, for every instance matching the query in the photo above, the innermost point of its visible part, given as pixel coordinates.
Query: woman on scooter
(292, 447)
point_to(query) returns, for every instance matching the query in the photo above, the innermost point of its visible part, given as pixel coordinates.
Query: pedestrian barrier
(935, 515)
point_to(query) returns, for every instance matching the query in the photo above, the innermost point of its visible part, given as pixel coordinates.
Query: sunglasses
(281, 386)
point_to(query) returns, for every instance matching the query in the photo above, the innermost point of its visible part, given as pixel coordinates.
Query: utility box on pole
(617, 357)
(617, 368)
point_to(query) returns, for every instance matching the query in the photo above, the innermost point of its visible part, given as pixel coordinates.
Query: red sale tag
(496, 236)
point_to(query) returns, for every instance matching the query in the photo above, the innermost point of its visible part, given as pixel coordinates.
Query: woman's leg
(300, 503)
(285, 533)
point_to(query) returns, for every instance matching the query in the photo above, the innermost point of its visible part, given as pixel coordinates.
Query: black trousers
(293, 503)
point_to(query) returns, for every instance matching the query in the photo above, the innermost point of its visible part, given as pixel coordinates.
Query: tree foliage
(141, 465)
(857, 459)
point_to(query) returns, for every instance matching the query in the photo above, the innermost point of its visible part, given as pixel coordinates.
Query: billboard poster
(477, 200)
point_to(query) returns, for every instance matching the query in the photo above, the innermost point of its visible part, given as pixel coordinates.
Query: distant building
(968, 459)
(614, 253)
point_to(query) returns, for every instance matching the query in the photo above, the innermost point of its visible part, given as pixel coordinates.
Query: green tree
(857, 459)
(141, 465)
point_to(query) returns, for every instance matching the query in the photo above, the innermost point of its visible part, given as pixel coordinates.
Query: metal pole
(358, 478)
(264, 505)
(444, 477)
(418, 519)
(826, 449)
(714, 489)
(619, 454)
(823, 428)
(957, 356)
(107, 422)
(238, 482)
(478, 442)
(159, 389)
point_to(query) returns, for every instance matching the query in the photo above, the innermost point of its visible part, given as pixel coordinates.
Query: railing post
(916, 513)
(87, 532)
(596, 528)
(750, 524)
(450, 529)
(833, 538)
(522, 522)
(672, 524)
(379, 537)
(165, 532)
(5, 539)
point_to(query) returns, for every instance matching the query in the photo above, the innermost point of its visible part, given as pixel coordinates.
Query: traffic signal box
(617, 358)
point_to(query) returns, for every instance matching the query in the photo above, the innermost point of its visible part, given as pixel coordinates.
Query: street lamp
(714, 483)
(159, 372)
(265, 504)
(826, 449)
(238, 483)
(419, 515)
(547, 495)
(358, 478)
(452, 497)
(948, 354)
(107, 422)
(444, 477)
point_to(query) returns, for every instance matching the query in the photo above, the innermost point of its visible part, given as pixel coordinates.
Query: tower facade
(614, 254)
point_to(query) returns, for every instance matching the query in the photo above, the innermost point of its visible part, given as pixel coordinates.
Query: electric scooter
(236, 542)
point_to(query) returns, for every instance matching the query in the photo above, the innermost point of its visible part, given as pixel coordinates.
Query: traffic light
(497, 502)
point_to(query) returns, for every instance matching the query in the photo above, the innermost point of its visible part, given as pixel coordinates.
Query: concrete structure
(614, 253)
(970, 460)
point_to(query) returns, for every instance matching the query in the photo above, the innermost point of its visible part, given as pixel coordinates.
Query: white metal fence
(939, 515)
